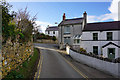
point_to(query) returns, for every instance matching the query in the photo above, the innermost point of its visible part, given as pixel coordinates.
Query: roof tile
(102, 26)
(52, 28)
(72, 21)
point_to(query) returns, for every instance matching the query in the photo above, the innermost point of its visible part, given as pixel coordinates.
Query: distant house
(52, 31)
(70, 30)
(102, 38)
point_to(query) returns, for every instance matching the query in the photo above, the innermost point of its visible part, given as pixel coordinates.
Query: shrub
(107, 59)
(54, 38)
(24, 64)
(13, 75)
(82, 50)
(101, 58)
(118, 60)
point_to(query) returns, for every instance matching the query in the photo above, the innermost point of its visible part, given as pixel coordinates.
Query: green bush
(13, 75)
(54, 38)
(25, 64)
(8, 29)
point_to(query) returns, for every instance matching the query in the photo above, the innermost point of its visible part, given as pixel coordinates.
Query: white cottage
(52, 31)
(102, 38)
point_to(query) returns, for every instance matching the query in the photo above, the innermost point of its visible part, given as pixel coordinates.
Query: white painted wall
(88, 45)
(51, 33)
(107, 67)
(101, 35)
(105, 50)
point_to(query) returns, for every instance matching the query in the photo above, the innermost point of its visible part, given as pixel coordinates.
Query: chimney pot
(64, 16)
(85, 17)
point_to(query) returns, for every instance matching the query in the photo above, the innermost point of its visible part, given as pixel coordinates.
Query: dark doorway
(111, 53)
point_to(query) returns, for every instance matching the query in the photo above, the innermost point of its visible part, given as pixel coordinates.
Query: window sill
(66, 33)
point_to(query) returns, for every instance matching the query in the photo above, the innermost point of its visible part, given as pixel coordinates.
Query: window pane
(109, 35)
(95, 50)
(67, 40)
(66, 29)
(95, 36)
(78, 41)
(53, 32)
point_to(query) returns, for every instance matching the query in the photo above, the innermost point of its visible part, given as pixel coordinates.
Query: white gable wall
(51, 33)
(101, 35)
(105, 50)
(88, 43)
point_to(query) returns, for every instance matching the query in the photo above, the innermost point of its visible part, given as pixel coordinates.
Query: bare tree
(25, 24)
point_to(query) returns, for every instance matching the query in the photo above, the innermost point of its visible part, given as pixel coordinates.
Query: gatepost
(67, 49)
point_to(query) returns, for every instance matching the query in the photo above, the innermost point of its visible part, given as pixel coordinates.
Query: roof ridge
(74, 18)
(52, 26)
(103, 22)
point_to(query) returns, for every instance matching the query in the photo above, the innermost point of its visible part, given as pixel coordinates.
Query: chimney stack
(85, 17)
(64, 16)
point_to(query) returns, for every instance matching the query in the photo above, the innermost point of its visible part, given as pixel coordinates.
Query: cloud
(92, 18)
(112, 15)
(101, 18)
(42, 25)
(113, 8)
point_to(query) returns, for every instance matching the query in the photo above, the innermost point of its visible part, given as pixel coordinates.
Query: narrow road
(54, 65)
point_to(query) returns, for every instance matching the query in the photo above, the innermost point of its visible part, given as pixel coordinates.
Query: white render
(111, 46)
(107, 67)
(51, 33)
(87, 42)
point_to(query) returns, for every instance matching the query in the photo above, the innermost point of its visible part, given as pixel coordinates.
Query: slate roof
(102, 26)
(52, 28)
(71, 21)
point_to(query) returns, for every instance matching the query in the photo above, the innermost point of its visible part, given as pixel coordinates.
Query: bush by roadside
(27, 69)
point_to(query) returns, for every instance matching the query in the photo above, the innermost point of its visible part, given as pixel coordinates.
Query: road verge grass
(27, 69)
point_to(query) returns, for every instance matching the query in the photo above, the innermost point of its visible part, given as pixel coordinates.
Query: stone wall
(13, 54)
(47, 41)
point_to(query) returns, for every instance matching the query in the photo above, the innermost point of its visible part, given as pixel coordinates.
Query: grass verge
(27, 69)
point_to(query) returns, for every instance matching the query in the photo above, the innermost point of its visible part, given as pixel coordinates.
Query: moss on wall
(13, 54)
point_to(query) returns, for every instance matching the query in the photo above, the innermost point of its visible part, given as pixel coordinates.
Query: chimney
(64, 16)
(85, 17)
